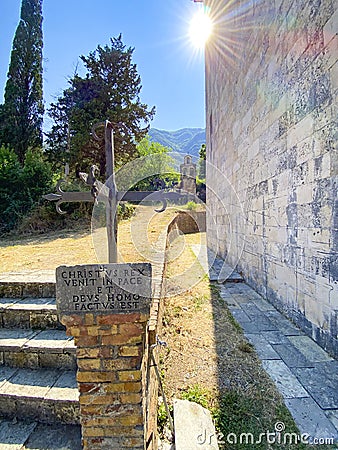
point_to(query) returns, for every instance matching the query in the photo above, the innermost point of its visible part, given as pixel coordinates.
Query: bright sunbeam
(200, 28)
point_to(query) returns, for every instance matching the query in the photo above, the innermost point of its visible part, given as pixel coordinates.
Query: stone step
(25, 435)
(41, 395)
(11, 288)
(36, 349)
(29, 312)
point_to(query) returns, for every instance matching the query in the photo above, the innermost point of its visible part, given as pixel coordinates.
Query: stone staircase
(39, 407)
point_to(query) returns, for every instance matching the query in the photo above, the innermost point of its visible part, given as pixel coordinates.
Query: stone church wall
(272, 165)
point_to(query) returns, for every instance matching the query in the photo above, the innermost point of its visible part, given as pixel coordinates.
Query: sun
(200, 28)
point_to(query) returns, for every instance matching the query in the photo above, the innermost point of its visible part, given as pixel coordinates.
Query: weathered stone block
(21, 359)
(120, 339)
(97, 377)
(118, 288)
(59, 361)
(99, 352)
(284, 136)
(129, 375)
(123, 387)
(89, 364)
(93, 431)
(121, 363)
(129, 351)
(131, 329)
(131, 398)
(98, 399)
(44, 320)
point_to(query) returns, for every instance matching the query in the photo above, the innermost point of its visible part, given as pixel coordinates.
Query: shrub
(201, 190)
(10, 185)
(191, 206)
(125, 211)
(197, 394)
(21, 191)
(21, 188)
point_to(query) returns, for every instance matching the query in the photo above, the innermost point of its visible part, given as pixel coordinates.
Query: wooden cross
(109, 193)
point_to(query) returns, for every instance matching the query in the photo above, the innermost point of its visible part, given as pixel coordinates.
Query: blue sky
(171, 69)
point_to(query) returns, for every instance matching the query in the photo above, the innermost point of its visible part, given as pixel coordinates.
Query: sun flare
(200, 28)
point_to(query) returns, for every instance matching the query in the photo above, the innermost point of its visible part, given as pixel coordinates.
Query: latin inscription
(110, 288)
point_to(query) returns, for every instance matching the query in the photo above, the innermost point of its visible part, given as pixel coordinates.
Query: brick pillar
(111, 357)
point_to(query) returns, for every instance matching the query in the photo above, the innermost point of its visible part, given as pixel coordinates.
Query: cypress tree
(21, 115)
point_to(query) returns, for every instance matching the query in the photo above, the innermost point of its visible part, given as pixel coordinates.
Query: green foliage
(199, 301)
(162, 416)
(43, 217)
(240, 414)
(191, 206)
(36, 175)
(155, 164)
(201, 162)
(196, 394)
(125, 211)
(10, 171)
(21, 115)
(246, 347)
(147, 147)
(217, 297)
(201, 190)
(109, 90)
(200, 181)
(21, 187)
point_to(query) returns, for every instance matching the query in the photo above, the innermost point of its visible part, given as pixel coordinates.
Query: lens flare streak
(231, 24)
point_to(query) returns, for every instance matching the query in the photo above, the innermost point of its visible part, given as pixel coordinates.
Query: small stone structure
(189, 222)
(188, 175)
(107, 308)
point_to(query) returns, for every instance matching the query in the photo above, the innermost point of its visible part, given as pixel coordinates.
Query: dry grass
(46, 252)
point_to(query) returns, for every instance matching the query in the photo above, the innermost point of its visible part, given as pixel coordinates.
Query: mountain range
(186, 140)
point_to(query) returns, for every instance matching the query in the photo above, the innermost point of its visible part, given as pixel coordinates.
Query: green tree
(10, 172)
(147, 147)
(201, 162)
(156, 163)
(109, 90)
(21, 188)
(21, 115)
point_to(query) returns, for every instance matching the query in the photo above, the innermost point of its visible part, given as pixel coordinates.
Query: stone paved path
(303, 372)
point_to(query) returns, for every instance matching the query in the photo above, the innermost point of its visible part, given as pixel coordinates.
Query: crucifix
(109, 194)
